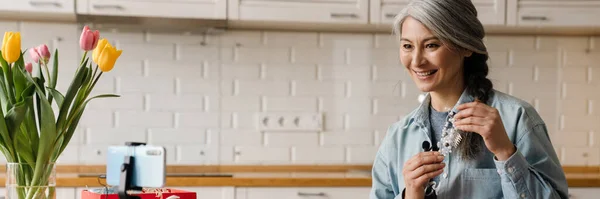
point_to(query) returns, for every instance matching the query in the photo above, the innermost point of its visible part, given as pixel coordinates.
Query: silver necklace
(450, 136)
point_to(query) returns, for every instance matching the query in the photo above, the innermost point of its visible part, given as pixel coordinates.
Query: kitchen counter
(260, 176)
(254, 179)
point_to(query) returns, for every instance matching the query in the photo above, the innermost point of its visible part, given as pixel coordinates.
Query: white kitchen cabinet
(66, 193)
(489, 12)
(302, 192)
(224, 192)
(211, 192)
(564, 13)
(199, 9)
(316, 11)
(584, 193)
(37, 9)
(61, 192)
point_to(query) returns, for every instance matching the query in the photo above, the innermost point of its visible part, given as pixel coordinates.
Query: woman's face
(432, 65)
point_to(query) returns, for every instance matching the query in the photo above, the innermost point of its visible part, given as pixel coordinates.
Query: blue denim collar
(421, 116)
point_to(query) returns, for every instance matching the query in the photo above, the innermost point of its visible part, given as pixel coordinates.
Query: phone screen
(149, 165)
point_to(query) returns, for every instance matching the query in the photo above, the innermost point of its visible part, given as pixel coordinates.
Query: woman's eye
(432, 46)
(407, 46)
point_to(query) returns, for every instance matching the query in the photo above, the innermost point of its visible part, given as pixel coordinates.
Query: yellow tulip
(98, 50)
(11, 46)
(108, 57)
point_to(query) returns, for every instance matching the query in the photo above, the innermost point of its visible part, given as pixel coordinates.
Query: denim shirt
(533, 171)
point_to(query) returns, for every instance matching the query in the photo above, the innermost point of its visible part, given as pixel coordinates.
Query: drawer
(584, 193)
(489, 12)
(313, 11)
(184, 9)
(41, 6)
(558, 13)
(303, 192)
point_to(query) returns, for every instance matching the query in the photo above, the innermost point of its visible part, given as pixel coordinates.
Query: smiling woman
(486, 144)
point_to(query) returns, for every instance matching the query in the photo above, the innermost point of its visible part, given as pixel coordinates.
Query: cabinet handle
(44, 3)
(303, 194)
(390, 15)
(537, 18)
(103, 7)
(344, 15)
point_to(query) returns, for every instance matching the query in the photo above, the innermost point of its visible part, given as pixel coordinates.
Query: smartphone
(149, 165)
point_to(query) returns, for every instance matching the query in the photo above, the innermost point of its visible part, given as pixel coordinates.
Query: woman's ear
(467, 53)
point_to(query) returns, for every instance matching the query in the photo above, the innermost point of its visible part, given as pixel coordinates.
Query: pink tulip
(40, 52)
(44, 52)
(89, 39)
(29, 67)
(35, 55)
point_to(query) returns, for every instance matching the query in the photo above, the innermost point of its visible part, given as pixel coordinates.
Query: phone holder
(127, 169)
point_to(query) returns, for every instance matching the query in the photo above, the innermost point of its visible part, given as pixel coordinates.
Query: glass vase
(30, 181)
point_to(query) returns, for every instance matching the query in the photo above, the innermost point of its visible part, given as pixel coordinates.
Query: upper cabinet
(319, 11)
(554, 13)
(39, 9)
(205, 9)
(490, 12)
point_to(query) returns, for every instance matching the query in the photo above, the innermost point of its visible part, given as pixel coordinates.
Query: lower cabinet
(584, 193)
(61, 193)
(302, 192)
(211, 192)
(254, 192)
(286, 192)
(201, 192)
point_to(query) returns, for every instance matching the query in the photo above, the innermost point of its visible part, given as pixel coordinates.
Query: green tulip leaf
(59, 97)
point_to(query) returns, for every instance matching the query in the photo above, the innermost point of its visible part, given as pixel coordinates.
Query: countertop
(281, 176)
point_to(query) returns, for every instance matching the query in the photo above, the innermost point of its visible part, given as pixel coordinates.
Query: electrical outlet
(290, 122)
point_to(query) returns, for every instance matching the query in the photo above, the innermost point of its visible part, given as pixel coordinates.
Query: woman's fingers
(423, 179)
(479, 121)
(426, 170)
(423, 159)
(472, 112)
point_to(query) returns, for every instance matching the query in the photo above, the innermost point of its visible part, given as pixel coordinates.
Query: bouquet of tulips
(32, 133)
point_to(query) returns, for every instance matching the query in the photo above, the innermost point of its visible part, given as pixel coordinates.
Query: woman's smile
(425, 74)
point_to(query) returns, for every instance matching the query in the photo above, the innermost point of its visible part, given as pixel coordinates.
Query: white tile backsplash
(290, 139)
(291, 39)
(361, 155)
(318, 155)
(568, 43)
(305, 72)
(319, 88)
(262, 155)
(199, 95)
(546, 58)
(358, 138)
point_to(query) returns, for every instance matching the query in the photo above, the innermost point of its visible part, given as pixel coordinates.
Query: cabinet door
(211, 192)
(61, 192)
(320, 11)
(201, 192)
(556, 13)
(66, 193)
(206, 9)
(37, 9)
(48, 6)
(583, 193)
(303, 192)
(490, 12)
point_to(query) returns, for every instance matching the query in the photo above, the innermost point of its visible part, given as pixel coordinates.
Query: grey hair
(452, 21)
(455, 23)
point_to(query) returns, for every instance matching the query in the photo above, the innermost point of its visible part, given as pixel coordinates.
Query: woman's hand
(484, 120)
(419, 169)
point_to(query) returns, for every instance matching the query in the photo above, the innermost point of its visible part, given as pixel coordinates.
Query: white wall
(199, 95)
